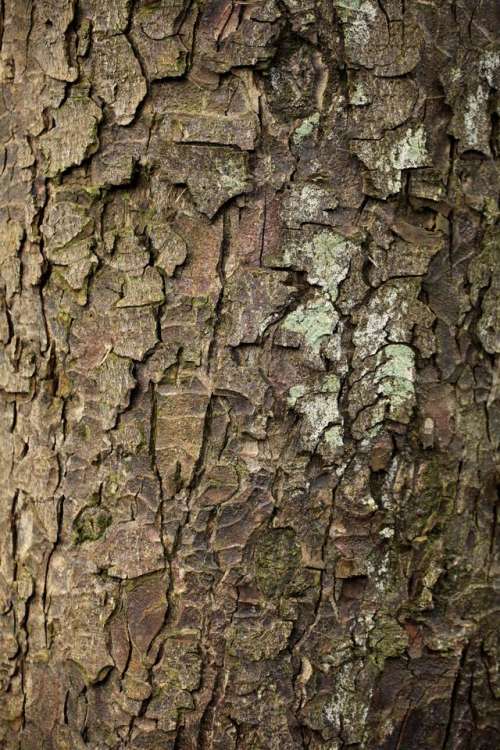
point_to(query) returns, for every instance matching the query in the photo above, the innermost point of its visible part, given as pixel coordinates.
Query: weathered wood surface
(249, 302)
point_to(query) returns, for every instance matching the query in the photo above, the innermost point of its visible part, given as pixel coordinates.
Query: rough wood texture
(249, 295)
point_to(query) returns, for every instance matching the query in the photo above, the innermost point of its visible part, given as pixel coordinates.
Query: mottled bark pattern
(249, 300)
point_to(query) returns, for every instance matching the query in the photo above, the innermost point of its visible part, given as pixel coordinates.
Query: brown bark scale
(249, 349)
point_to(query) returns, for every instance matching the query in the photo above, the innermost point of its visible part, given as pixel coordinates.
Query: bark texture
(249, 300)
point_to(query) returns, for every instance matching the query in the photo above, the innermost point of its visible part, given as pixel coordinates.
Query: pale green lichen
(347, 709)
(476, 118)
(231, 173)
(311, 197)
(489, 65)
(380, 573)
(390, 315)
(306, 128)
(320, 411)
(371, 331)
(295, 392)
(213, 176)
(308, 203)
(404, 148)
(326, 258)
(410, 150)
(360, 17)
(314, 321)
(396, 380)
(334, 436)
(393, 381)
(347, 4)
(358, 96)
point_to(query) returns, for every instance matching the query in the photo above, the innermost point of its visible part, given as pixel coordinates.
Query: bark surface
(249, 302)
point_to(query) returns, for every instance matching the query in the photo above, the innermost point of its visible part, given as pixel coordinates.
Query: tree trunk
(249, 294)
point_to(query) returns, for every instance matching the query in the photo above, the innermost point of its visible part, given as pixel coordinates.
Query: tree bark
(249, 295)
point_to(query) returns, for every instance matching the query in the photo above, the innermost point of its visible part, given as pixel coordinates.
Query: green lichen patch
(320, 413)
(387, 640)
(390, 315)
(385, 390)
(346, 709)
(396, 380)
(308, 202)
(352, 5)
(385, 158)
(306, 128)
(324, 255)
(376, 42)
(313, 321)
(90, 524)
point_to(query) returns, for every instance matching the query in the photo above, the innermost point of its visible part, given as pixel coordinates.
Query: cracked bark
(249, 293)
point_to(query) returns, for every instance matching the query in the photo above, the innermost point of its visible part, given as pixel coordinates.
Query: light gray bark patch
(117, 76)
